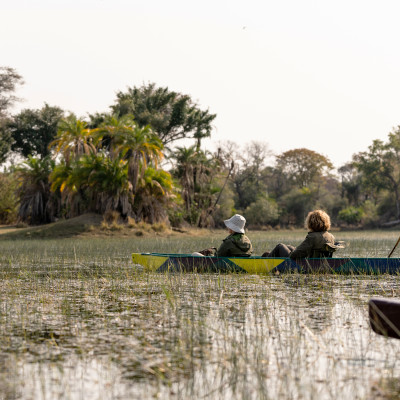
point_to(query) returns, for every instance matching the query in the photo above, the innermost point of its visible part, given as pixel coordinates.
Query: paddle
(398, 240)
(384, 317)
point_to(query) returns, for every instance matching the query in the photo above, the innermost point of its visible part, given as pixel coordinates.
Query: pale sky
(293, 73)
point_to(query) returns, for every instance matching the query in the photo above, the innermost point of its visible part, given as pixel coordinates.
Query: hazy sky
(317, 74)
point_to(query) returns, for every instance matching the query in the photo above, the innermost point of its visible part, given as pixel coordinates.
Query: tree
(153, 195)
(303, 166)
(9, 79)
(186, 160)
(351, 215)
(63, 181)
(5, 140)
(198, 174)
(263, 211)
(138, 145)
(248, 176)
(94, 183)
(8, 198)
(296, 204)
(106, 183)
(380, 166)
(38, 205)
(33, 130)
(73, 139)
(351, 183)
(171, 115)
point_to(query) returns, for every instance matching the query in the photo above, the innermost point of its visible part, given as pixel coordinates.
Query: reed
(78, 320)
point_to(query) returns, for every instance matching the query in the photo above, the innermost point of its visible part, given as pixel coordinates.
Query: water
(78, 321)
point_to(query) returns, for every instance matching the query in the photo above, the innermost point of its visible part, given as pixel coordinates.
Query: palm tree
(139, 146)
(72, 196)
(153, 195)
(94, 183)
(185, 158)
(196, 171)
(107, 183)
(73, 139)
(38, 204)
(112, 131)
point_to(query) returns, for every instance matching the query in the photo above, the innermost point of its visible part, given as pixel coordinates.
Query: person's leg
(281, 250)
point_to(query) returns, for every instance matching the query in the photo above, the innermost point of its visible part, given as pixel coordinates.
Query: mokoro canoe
(260, 265)
(384, 317)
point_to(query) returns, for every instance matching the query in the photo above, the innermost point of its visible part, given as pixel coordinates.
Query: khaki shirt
(314, 245)
(235, 245)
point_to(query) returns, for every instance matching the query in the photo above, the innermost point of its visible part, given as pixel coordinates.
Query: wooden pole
(398, 241)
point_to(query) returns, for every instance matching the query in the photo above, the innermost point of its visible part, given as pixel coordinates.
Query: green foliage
(106, 182)
(248, 177)
(366, 214)
(73, 139)
(33, 130)
(5, 140)
(94, 182)
(248, 185)
(303, 166)
(153, 195)
(351, 215)
(380, 166)
(263, 211)
(38, 205)
(351, 182)
(198, 174)
(296, 204)
(370, 213)
(226, 207)
(107, 168)
(9, 80)
(8, 198)
(171, 115)
(126, 139)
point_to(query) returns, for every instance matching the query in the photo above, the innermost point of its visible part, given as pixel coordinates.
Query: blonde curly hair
(318, 221)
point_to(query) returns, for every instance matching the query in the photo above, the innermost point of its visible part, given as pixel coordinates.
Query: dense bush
(263, 211)
(351, 215)
(8, 198)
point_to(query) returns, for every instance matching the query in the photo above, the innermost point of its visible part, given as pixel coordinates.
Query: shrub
(111, 216)
(131, 222)
(351, 215)
(370, 213)
(263, 211)
(159, 227)
(8, 198)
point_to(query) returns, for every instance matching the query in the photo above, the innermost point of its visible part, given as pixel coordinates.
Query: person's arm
(304, 249)
(225, 248)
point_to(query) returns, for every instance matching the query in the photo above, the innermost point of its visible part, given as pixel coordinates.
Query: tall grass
(77, 320)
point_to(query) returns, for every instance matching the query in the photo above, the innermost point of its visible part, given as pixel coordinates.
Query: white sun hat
(236, 223)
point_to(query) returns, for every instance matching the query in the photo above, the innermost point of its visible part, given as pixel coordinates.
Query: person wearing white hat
(237, 244)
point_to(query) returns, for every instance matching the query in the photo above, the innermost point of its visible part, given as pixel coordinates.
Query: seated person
(318, 243)
(237, 244)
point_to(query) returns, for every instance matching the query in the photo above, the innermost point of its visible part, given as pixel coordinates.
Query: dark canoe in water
(260, 265)
(384, 317)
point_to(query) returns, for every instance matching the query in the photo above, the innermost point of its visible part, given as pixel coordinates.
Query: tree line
(130, 161)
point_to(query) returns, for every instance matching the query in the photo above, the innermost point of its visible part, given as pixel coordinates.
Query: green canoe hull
(159, 262)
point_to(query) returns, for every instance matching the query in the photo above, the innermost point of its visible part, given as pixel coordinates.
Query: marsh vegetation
(78, 320)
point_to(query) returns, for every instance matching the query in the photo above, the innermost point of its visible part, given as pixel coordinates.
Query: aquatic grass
(77, 319)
